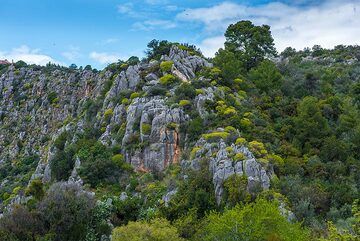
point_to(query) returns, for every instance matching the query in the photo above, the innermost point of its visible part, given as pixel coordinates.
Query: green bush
(216, 136)
(256, 221)
(145, 129)
(157, 229)
(183, 103)
(167, 79)
(134, 95)
(165, 66)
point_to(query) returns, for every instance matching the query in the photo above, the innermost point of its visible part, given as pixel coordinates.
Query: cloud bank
(329, 23)
(30, 56)
(104, 58)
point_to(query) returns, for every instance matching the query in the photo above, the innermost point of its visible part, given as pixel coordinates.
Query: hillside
(249, 145)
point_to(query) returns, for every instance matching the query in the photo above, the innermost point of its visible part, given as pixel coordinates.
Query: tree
(156, 230)
(66, 210)
(231, 67)
(266, 76)
(133, 60)
(256, 221)
(157, 48)
(20, 224)
(310, 125)
(251, 43)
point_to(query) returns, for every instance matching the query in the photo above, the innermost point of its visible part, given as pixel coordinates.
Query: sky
(99, 32)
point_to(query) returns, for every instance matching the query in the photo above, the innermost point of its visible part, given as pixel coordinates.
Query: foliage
(236, 190)
(183, 103)
(67, 210)
(167, 79)
(216, 136)
(256, 221)
(157, 229)
(145, 129)
(165, 66)
(249, 42)
(266, 76)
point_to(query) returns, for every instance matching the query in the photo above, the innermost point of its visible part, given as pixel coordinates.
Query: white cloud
(211, 45)
(104, 58)
(329, 23)
(154, 24)
(30, 56)
(72, 54)
(125, 8)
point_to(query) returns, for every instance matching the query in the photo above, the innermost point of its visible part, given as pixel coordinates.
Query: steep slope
(45, 111)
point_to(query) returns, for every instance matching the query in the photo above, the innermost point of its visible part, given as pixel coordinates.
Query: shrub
(230, 129)
(236, 190)
(199, 92)
(215, 136)
(256, 221)
(193, 152)
(145, 129)
(35, 189)
(134, 95)
(125, 101)
(185, 91)
(165, 66)
(257, 148)
(156, 90)
(230, 111)
(172, 126)
(157, 229)
(240, 141)
(108, 114)
(67, 210)
(167, 79)
(183, 103)
(239, 157)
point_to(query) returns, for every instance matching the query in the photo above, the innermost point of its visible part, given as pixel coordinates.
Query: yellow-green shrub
(134, 95)
(165, 66)
(184, 103)
(240, 141)
(257, 148)
(167, 79)
(239, 157)
(125, 101)
(193, 152)
(216, 135)
(146, 129)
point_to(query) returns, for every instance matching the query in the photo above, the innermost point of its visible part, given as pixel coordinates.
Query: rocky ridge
(40, 105)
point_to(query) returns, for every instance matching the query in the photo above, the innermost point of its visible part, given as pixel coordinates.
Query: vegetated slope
(176, 136)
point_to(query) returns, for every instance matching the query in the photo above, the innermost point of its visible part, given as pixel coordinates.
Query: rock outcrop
(159, 133)
(223, 165)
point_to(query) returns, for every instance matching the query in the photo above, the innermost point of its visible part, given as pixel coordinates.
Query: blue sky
(98, 32)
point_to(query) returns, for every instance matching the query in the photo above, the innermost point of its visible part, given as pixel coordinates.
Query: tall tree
(251, 43)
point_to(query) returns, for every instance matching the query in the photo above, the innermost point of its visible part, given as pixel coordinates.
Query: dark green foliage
(127, 210)
(249, 42)
(156, 90)
(196, 192)
(231, 66)
(185, 92)
(266, 76)
(20, 225)
(67, 211)
(157, 48)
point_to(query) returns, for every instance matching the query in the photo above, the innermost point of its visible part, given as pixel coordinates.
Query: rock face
(222, 165)
(158, 125)
(185, 65)
(37, 104)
